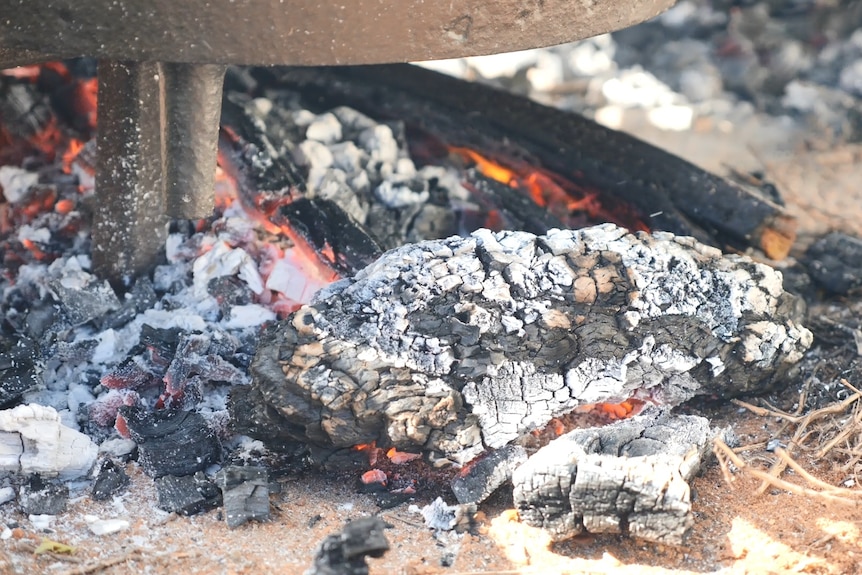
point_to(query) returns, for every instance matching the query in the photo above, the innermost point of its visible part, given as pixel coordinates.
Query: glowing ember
(374, 476)
(401, 457)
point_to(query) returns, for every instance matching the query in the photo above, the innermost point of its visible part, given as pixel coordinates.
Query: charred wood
(245, 493)
(187, 495)
(345, 553)
(18, 372)
(452, 346)
(171, 442)
(835, 262)
(630, 477)
(478, 481)
(40, 497)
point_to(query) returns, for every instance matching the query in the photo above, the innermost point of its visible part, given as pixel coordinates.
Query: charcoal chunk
(110, 480)
(171, 442)
(478, 481)
(835, 262)
(18, 371)
(245, 492)
(345, 553)
(187, 495)
(40, 497)
(83, 300)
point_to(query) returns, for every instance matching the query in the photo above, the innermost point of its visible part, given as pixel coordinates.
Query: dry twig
(837, 427)
(834, 494)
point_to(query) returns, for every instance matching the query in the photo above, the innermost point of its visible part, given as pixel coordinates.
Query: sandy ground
(736, 529)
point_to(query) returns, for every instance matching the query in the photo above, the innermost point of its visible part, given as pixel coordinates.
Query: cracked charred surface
(631, 477)
(455, 345)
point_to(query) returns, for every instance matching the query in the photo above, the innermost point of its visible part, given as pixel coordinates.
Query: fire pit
(508, 351)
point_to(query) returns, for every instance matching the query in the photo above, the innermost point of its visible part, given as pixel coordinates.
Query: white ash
(439, 515)
(105, 526)
(33, 440)
(325, 129)
(6, 494)
(594, 316)
(16, 182)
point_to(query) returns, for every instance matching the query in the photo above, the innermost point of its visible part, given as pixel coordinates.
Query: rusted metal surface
(302, 32)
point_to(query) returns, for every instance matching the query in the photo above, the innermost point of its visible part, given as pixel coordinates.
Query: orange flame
(560, 196)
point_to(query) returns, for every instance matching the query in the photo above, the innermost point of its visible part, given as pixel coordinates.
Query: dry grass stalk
(834, 429)
(841, 495)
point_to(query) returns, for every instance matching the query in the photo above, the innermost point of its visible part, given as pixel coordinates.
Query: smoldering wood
(453, 346)
(268, 154)
(345, 553)
(630, 477)
(670, 193)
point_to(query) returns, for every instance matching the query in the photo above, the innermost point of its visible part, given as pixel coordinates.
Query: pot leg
(158, 131)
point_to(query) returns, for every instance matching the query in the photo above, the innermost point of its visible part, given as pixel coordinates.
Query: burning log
(630, 477)
(667, 192)
(453, 346)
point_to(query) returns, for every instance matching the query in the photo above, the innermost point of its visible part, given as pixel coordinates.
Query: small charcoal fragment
(245, 492)
(187, 495)
(140, 298)
(171, 442)
(482, 477)
(40, 497)
(110, 479)
(392, 499)
(835, 262)
(83, 298)
(345, 553)
(18, 372)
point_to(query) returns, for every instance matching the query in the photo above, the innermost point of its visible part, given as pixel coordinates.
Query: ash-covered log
(630, 477)
(456, 345)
